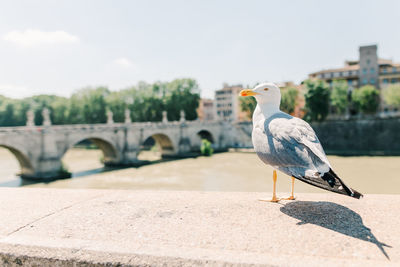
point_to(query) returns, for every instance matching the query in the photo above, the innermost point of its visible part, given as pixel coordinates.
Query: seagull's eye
(265, 89)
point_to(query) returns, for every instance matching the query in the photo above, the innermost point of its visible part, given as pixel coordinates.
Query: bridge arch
(202, 133)
(107, 147)
(25, 163)
(205, 134)
(163, 141)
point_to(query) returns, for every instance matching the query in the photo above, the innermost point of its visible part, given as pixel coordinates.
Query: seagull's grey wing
(297, 152)
(295, 144)
(297, 132)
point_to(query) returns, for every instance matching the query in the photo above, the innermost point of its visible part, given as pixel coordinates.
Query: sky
(58, 47)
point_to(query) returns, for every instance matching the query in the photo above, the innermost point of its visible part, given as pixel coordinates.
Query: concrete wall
(345, 137)
(360, 137)
(77, 227)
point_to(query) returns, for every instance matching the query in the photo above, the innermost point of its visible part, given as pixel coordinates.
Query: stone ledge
(47, 227)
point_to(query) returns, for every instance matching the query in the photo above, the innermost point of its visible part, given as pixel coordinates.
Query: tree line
(321, 99)
(145, 101)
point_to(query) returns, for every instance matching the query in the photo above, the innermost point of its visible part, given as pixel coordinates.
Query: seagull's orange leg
(274, 198)
(292, 196)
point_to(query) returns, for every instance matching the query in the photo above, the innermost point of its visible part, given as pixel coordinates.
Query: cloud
(123, 62)
(31, 37)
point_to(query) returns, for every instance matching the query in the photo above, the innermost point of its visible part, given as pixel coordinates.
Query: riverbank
(231, 171)
(61, 227)
(224, 172)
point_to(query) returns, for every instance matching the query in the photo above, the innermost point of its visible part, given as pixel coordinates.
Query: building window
(385, 81)
(365, 70)
(394, 69)
(372, 81)
(384, 70)
(350, 82)
(340, 74)
(365, 81)
(372, 70)
(350, 73)
(368, 61)
(394, 80)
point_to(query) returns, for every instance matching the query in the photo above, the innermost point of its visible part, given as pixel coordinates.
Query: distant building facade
(368, 69)
(206, 110)
(227, 103)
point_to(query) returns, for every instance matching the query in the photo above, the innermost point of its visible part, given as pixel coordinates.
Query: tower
(369, 71)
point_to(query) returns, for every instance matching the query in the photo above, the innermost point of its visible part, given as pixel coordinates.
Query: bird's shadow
(333, 217)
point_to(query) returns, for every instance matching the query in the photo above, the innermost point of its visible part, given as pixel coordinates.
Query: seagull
(290, 145)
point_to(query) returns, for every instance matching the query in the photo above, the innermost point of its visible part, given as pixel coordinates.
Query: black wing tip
(356, 194)
(332, 183)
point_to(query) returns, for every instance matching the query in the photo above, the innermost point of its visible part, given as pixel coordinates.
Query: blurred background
(144, 94)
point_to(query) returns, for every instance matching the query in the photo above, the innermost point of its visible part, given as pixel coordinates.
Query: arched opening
(203, 134)
(89, 156)
(10, 168)
(155, 147)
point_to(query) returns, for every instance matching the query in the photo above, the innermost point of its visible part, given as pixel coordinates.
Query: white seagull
(290, 145)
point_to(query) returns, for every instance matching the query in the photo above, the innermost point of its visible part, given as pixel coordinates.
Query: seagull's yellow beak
(247, 92)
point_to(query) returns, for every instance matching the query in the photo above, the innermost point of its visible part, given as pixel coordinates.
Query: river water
(230, 171)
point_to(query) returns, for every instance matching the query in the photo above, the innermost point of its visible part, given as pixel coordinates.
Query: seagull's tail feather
(350, 191)
(330, 181)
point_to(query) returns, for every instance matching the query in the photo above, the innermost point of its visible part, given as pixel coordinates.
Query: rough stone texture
(53, 227)
(360, 137)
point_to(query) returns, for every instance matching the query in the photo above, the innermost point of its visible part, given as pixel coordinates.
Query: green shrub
(63, 172)
(289, 99)
(317, 100)
(366, 99)
(206, 148)
(391, 95)
(339, 96)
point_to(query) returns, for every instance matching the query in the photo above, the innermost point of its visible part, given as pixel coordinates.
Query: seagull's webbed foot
(274, 198)
(292, 196)
(289, 198)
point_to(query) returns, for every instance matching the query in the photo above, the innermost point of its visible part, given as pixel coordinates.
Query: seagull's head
(264, 93)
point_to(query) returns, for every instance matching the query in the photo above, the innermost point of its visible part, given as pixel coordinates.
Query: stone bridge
(39, 149)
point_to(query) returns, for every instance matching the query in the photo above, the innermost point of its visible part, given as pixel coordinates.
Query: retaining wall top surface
(64, 227)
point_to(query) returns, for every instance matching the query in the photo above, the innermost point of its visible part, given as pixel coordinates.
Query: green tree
(339, 98)
(59, 109)
(366, 99)
(289, 99)
(248, 104)
(88, 105)
(317, 100)
(180, 94)
(7, 112)
(116, 102)
(38, 102)
(391, 95)
(146, 102)
(21, 107)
